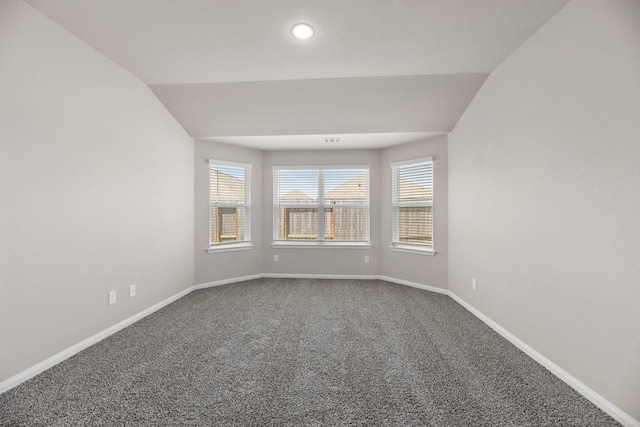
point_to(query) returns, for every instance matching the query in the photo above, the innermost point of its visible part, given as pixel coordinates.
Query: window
(412, 204)
(321, 204)
(229, 204)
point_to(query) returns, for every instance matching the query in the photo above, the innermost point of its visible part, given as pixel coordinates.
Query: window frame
(396, 205)
(245, 204)
(321, 207)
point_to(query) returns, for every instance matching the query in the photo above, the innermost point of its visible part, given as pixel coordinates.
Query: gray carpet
(291, 352)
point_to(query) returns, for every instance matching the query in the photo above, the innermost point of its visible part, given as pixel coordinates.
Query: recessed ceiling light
(302, 31)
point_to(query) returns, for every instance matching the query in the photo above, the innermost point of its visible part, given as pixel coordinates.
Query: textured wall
(544, 196)
(97, 192)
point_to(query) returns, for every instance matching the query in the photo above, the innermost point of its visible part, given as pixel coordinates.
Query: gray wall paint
(423, 269)
(331, 261)
(225, 265)
(315, 260)
(544, 196)
(97, 192)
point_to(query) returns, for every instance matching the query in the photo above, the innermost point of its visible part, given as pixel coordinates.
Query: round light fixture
(302, 31)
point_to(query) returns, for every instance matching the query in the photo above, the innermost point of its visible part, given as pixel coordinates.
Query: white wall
(97, 192)
(213, 267)
(417, 268)
(544, 196)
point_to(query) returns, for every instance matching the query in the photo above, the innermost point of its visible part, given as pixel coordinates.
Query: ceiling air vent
(332, 140)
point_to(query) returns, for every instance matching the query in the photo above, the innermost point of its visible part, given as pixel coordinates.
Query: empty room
(337, 212)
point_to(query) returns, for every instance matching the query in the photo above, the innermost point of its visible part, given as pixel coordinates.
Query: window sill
(231, 247)
(413, 250)
(319, 245)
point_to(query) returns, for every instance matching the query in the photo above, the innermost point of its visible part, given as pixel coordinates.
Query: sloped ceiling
(230, 69)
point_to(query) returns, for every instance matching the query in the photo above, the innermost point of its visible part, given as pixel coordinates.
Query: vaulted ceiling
(384, 71)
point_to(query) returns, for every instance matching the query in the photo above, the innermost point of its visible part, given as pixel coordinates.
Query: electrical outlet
(276, 258)
(112, 297)
(366, 259)
(132, 291)
(474, 284)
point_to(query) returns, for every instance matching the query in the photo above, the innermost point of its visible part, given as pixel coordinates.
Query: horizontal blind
(296, 204)
(346, 186)
(230, 202)
(346, 204)
(323, 204)
(412, 203)
(415, 183)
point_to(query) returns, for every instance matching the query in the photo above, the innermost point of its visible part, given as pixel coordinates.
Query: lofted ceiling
(384, 71)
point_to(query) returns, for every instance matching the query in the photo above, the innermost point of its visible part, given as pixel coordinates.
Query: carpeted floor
(291, 352)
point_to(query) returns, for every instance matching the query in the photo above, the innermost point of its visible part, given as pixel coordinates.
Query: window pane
(297, 187)
(301, 194)
(230, 202)
(226, 184)
(297, 223)
(415, 183)
(346, 224)
(345, 186)
(412, 198)
(415, 225)
(227, 225)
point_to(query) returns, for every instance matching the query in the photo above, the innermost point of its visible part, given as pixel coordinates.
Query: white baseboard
(227, 281)
(357, 277)
(77, 348)
(602, 403)
(415, 285)
(319, 276)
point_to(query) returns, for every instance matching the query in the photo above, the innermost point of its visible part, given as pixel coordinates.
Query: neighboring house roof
(225, 188)
(296, 195)
(354, 189)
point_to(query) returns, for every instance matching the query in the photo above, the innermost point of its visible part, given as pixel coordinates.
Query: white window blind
(230, 202)
(321, 204)
(412, 203)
